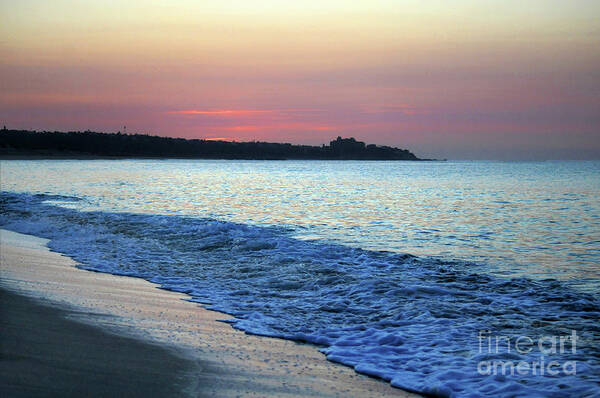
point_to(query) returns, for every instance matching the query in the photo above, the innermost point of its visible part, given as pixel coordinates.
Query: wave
(415, 322)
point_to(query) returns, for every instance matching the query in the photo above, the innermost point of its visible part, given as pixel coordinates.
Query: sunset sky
(450, 79)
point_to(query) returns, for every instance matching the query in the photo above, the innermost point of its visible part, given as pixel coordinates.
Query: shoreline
(84, 156)
(232, 363)
(144, 145)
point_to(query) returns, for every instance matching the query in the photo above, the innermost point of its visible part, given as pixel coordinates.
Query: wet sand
(206, 357)
(43, 353)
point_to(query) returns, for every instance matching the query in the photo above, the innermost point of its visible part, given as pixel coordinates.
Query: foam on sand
(231, 363)
(414, 322)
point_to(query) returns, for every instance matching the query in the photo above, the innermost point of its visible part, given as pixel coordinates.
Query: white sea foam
(411, 321)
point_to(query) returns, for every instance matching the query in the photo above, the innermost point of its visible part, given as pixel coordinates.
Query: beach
(69, 332)
(292, 199)
(282, 248)
(44, 353)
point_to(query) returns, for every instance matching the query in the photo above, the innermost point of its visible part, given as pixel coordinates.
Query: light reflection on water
(540, 219)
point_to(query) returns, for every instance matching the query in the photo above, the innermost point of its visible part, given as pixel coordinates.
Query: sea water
(407, 271)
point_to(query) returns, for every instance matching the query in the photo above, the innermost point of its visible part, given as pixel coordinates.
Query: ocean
(424, 274)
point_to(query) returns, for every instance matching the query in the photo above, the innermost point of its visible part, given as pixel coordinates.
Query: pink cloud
(284, 126)
(241, 112)
(221, 112)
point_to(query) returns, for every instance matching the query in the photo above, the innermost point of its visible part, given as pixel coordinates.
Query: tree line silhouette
(140, 145)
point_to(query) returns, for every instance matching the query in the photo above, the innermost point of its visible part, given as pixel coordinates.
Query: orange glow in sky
(222, 112)
(471, 79)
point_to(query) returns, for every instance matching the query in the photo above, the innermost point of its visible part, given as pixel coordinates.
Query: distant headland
(88, 144)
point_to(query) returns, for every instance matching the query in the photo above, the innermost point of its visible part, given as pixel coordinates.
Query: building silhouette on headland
(90, 143)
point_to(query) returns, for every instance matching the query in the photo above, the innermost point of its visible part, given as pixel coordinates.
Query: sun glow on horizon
(447, 81)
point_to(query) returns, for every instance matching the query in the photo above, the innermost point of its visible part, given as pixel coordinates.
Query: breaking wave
(412, 321)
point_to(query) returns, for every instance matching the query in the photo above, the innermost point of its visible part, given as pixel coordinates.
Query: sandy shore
(44, 353)
(203, 357)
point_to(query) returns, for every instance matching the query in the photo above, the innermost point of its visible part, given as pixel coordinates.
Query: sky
(446, 79)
